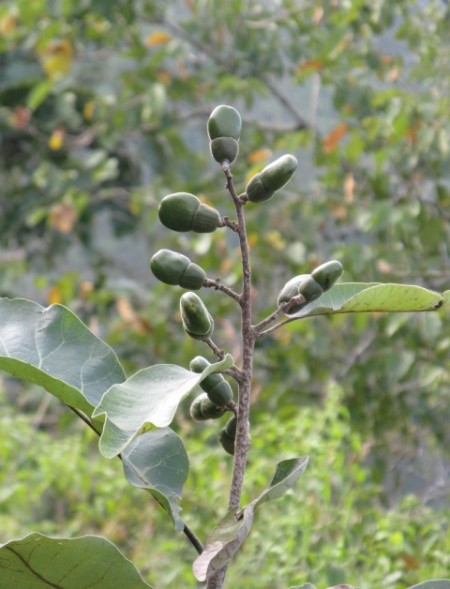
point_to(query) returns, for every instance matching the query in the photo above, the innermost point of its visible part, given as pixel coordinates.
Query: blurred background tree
(103, 110)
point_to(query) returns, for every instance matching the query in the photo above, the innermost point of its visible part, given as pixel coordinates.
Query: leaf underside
(157, 461)
(151, 396)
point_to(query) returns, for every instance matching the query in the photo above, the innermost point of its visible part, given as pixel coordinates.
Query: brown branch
(217, 284)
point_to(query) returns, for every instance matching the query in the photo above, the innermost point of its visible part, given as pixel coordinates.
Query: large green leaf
(226, 539)
(157, 461)
(90, 562)
(358, 297)
(151, 396)
(53, 348)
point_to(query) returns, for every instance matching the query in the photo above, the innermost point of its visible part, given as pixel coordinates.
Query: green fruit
(196, 319)
(217, 388)
(230, 427)
(182, 211)
(225, 121)
(226, 442)
(227, 435)
(274, 176)
(202, 408)
(224, 149)
(174, 268)
(221, 394)
(304, 285)
(198, 364)
(327, 274)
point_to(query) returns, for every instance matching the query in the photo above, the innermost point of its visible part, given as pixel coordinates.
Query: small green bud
(274, 176)
(327, 274)
(217, 388)
(183, 211)
(225, 121)
(197, 321)
(202, 408)
(224, 149)
(304, 285)
(174, 268)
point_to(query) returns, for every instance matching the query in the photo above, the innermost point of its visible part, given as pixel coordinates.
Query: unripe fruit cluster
(173, 268)
(183, 211)
(309, 286)
(215, 386)
(197, 321)
(224, 130)
(227, 436)
(274, 176)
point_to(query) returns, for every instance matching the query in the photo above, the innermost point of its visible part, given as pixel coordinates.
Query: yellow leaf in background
(8, 24)
(57, 58)
(164, 77)
(393, 74)
(54, 296)
(275, 240)
(158, 38)
(384, 267)
(334, 137)
(21, 117)
(313, 65)
(349, 188)
(63, 217)
(56, 140)
(131, 318)
(317, 15)
(258, 155)
(88, 110)
(253, 239)
(339, 212)
(86, 288)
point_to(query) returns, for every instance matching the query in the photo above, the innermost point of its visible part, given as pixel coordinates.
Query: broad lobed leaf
(51, 347)
(150, 396)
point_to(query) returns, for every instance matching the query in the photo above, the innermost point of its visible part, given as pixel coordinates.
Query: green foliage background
(103, 108)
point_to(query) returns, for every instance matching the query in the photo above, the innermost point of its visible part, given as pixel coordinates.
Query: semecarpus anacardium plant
(52, 347)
